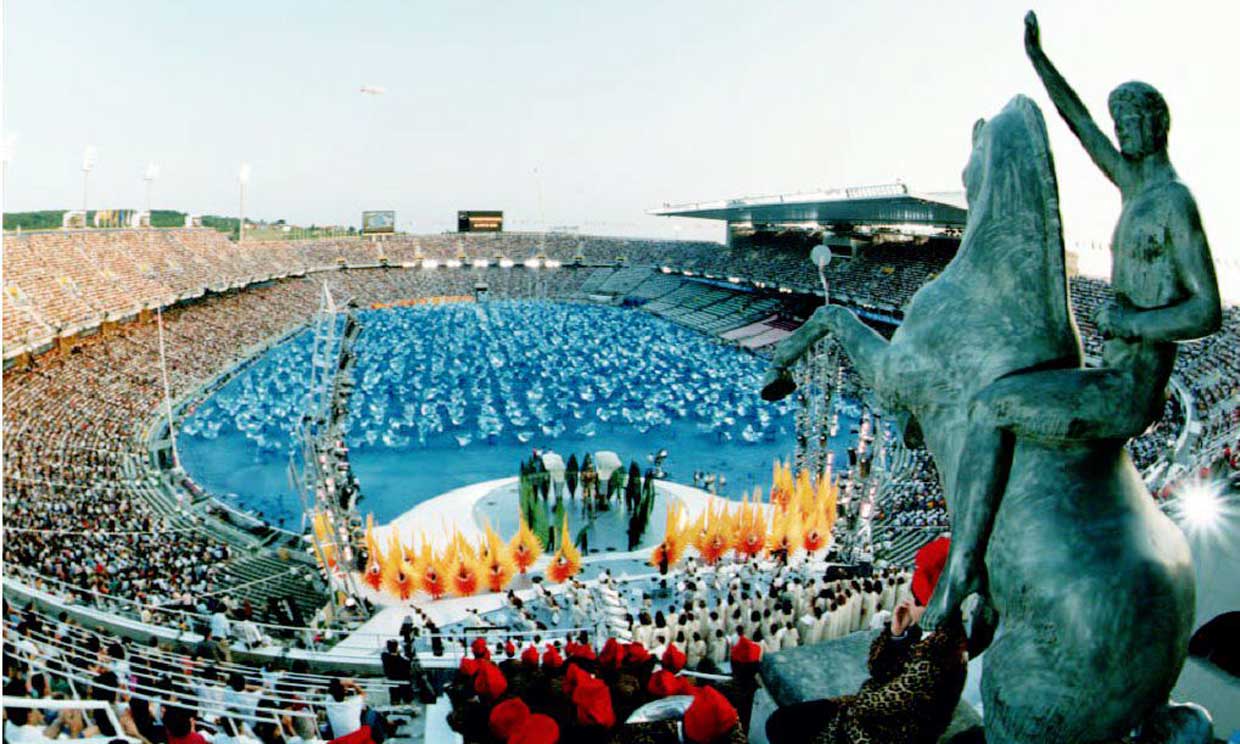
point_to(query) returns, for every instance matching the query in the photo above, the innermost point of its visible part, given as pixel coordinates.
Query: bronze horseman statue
(1052, 525)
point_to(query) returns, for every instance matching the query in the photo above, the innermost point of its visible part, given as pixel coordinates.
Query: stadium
(375, 483)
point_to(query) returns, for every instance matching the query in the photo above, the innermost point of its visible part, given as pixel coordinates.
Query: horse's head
(1001, 306)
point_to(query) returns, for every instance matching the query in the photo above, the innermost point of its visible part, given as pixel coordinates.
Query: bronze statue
(1051, 523)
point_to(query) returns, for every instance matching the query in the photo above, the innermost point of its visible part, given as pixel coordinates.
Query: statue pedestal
(830, 669)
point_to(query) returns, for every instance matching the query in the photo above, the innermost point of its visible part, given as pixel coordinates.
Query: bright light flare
(243, 174)
(1199, 506)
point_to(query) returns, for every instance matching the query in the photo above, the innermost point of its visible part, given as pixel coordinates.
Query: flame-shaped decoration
(785, 533)
(816, 534)
(322, 538)
(750, 527)
(781, 485)
(668, 552)
(398, 576)
(712, 535)
(526, 547)
(373, 575)
(429, 572)
(462, 563)
(498, 565)
(567, 559)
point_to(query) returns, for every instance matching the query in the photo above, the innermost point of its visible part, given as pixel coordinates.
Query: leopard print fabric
(910, 696)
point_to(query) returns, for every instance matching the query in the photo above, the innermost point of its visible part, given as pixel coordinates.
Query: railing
(318, 641)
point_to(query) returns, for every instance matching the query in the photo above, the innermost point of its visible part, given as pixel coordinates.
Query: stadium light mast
(152, 172)
(88, 164)
(244, 177)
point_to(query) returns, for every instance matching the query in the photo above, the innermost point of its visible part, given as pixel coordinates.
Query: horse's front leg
(985, 462)
(863, 345)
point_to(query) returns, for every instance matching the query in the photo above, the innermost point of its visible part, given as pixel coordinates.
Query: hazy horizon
(561, 114)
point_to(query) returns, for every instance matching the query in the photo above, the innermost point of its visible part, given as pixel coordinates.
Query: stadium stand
(81, 385)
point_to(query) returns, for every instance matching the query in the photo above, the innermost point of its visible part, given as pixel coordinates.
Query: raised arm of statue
(1096, 143)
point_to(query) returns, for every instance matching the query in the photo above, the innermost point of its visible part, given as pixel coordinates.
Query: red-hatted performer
(928, 566)
(537, 729)
(489, 681)
(593, 701)
(711, 719)
(507, 717)
(673, 659)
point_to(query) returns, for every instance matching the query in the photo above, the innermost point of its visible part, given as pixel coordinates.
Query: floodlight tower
(152, 172)
(88, 164)
(244, 177)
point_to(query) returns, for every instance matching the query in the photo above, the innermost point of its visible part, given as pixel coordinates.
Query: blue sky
(608, 108)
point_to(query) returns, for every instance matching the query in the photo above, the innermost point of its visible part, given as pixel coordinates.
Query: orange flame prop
(525, 546)
(397, 573)
(373, 575)
(499, 565)
(463, 565)
(322, 538)
(567, 560)
(817, 534)
(785, 533)
(781, 485)
(674, 539)
(429, 572)
(712, 535)
(750, 527)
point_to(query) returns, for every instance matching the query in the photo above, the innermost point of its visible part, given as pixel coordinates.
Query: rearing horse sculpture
(1093, 584)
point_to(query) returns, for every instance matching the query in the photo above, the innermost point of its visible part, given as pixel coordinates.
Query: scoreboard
(379, 222)
(479, 221)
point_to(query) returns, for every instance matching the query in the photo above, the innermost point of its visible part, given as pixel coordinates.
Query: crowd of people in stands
(159, 693)
(84, 519)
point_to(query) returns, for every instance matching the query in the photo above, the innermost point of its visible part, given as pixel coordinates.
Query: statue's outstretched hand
(1033, 36)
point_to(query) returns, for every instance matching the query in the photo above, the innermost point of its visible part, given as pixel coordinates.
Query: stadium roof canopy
(889, 204)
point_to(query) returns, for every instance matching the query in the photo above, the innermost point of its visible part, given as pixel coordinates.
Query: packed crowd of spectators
(160, 692)
(81, 510)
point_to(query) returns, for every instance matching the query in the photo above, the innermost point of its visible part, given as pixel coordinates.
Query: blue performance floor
(453, 395)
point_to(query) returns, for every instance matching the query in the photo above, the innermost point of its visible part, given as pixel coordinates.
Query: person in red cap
(928, 566)
(551, 658)
(673, 659)
(592, 699)
(529, 657)
(507, 717)
(664, 683)
(711, 719)
(537, 729)
(479, 648)
(489, 681)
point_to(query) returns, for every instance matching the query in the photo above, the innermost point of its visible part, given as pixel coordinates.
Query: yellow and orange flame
(567, 559)
(430, 573)
(373, 575)
(398, 576)
(675, 537)
(462, 564)
(498, 564)
(784, 535)
(712, 534)
(525, 547)
(750, 528)
(323, 541)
